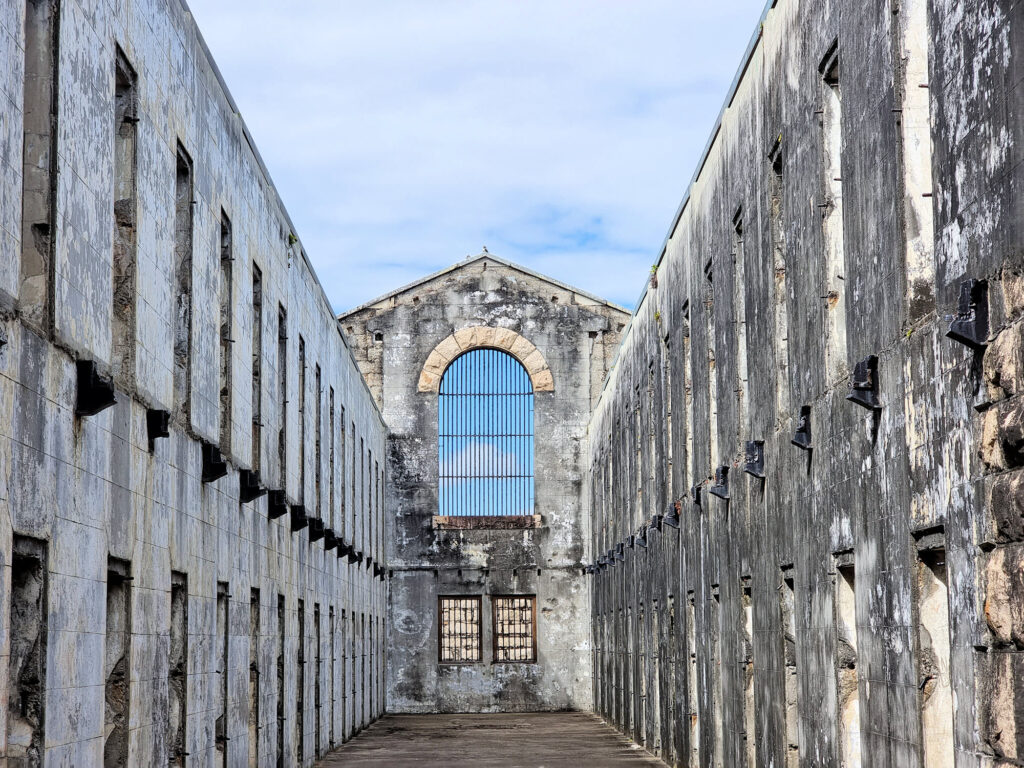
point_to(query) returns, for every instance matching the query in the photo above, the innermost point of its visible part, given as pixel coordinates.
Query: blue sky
(404, 135)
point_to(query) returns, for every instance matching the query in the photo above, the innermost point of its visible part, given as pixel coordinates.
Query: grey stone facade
(565, 340)
(149, 611)
(778, 515)
(859, 593)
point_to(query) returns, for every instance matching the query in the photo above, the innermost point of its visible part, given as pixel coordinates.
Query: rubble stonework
(113, 547)
(852, 584)
(779, 511)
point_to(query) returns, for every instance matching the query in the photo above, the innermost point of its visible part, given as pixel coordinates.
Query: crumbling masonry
(807, 465)
(774, 518)
(188, 508)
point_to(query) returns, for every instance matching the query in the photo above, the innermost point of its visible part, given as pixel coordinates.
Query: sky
(405, 135)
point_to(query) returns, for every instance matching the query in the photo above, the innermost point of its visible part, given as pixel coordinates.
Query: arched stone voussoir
(480, 337)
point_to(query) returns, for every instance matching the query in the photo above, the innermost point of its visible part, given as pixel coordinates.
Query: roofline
(472, 260)
(191, 19)
(748, 56)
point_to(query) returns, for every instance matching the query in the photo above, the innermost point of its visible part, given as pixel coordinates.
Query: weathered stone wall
(862, 596)
(404, 342)
(145, 613)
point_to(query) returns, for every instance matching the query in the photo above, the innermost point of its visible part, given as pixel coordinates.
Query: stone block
(1002, 439)
(543, 381)
(1004, 595)
(1013, 293)
(1005, 687)
(1006, 507)
(448, 349)
(464, 337)
(1004, 364)
(521, 348)
(504, 338)
(534, 362)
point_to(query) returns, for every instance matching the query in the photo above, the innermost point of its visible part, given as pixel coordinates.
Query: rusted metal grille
(459, 640)
(485, 436)
(515, 628)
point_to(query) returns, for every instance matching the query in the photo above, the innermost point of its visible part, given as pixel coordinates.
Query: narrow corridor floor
(535, 740)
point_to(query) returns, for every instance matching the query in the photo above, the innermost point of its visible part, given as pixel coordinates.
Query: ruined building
(773, 518)
(191, 466)
(806, 471)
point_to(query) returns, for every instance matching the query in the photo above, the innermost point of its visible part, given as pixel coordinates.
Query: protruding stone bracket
(477, 337)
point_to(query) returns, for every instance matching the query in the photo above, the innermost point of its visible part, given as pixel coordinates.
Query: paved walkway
(542, 740)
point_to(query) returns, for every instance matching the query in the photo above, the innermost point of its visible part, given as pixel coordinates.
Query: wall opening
(279, 653)
(300, 685)
(690, 468)
(914, 120)
(226, 331)
(641, 668)
(177, 671)
(831, 209)
(709, 338)
(317, 680)
(254, 678)
(332, 659)
(257, 366)
(631, 717)
(717, 712)
(670, 738)
(776, 181)
(740, 313)
(934, 659)
(514, 628)
(362, 670)
(485, 436)
(691, 687)
(282, 394)
(749, 728)
(655, 654)
(126, 107)
(362, 494)
(39, 171)
(26, 695)
(352, 490)
(117, 664)
(221, 661)
(372, 664)
(330, 473)
(342, 457)
(846, 662)
(353, 701)
(792, 685)
(183, 213)
(459, 629)
(318, 466)
(347, 670)
(302, 420)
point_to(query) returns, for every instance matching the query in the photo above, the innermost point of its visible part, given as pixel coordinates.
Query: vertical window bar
(485, 436)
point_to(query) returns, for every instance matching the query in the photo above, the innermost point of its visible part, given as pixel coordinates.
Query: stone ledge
(485, 522)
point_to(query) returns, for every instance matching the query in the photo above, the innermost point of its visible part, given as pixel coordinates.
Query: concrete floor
(541, 740)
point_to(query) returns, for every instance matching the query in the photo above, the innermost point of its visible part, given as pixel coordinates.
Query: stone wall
(404, 342)
(832, 572)
(192, 574)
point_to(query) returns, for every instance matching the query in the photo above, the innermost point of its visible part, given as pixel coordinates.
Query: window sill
(485, 522)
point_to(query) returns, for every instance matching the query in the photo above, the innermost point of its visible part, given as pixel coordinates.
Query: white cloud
(404, 135)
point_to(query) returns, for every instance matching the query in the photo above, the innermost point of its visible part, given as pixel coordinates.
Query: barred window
(459, 629)
(515, 628)
(485, 436)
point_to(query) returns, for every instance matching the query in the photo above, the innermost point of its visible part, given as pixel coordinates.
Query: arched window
(485, 436)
